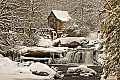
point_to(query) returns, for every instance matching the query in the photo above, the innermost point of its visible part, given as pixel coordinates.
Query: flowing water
(83, 56)
(77, 57)
(63, 68)
(80, 56)
(88, 58)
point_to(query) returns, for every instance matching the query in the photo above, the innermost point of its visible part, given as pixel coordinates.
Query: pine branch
(112, 10)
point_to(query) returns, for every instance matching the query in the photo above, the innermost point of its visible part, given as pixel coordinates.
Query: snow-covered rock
(73, 69)
(68, 40)
(43, 50)
(23, 70)
(40, 67)
(82, 70)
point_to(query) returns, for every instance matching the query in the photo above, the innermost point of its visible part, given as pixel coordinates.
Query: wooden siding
(55, 23)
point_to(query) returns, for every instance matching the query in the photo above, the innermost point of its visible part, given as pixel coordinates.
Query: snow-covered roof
(61, 15)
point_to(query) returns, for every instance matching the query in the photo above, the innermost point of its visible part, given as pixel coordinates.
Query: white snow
(7, 66)
(101, 58)
(23, 77)
(34, 58)
(61, 15)
(93, 35)
(44, 43)
(73, 69)
(40, 67)
(92, 42)
(51, 49)
(84, 69)
(1, 56)
(71, 39)
(97, 46)
(9, 70)
(62, 49)
(23, 70)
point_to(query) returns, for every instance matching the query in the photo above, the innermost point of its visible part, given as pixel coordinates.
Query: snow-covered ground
(23, 77)
(44, 42)
(9, 70)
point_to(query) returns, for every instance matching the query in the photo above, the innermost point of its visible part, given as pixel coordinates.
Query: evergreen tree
(110, 29)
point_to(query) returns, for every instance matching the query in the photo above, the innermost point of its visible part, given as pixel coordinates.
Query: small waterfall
(82, 56)
(74, 56)
(88, 58)
(77, 57)
(70, 56)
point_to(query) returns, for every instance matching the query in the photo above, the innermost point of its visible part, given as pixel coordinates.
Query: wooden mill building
(58, 20)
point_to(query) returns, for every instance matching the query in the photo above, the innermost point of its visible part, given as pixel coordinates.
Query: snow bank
(23, 70)
(44, 43)
(10, 71)
(40, 67)
(23, 77)
(7, 66)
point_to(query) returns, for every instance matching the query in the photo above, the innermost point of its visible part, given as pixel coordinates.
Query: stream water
(64, 68)
(73, 59)
(82, 56)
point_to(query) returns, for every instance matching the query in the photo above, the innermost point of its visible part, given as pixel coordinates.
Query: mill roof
(61, 15)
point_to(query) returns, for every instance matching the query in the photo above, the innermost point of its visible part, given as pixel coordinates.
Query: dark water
(81, 78)
(64, 68)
